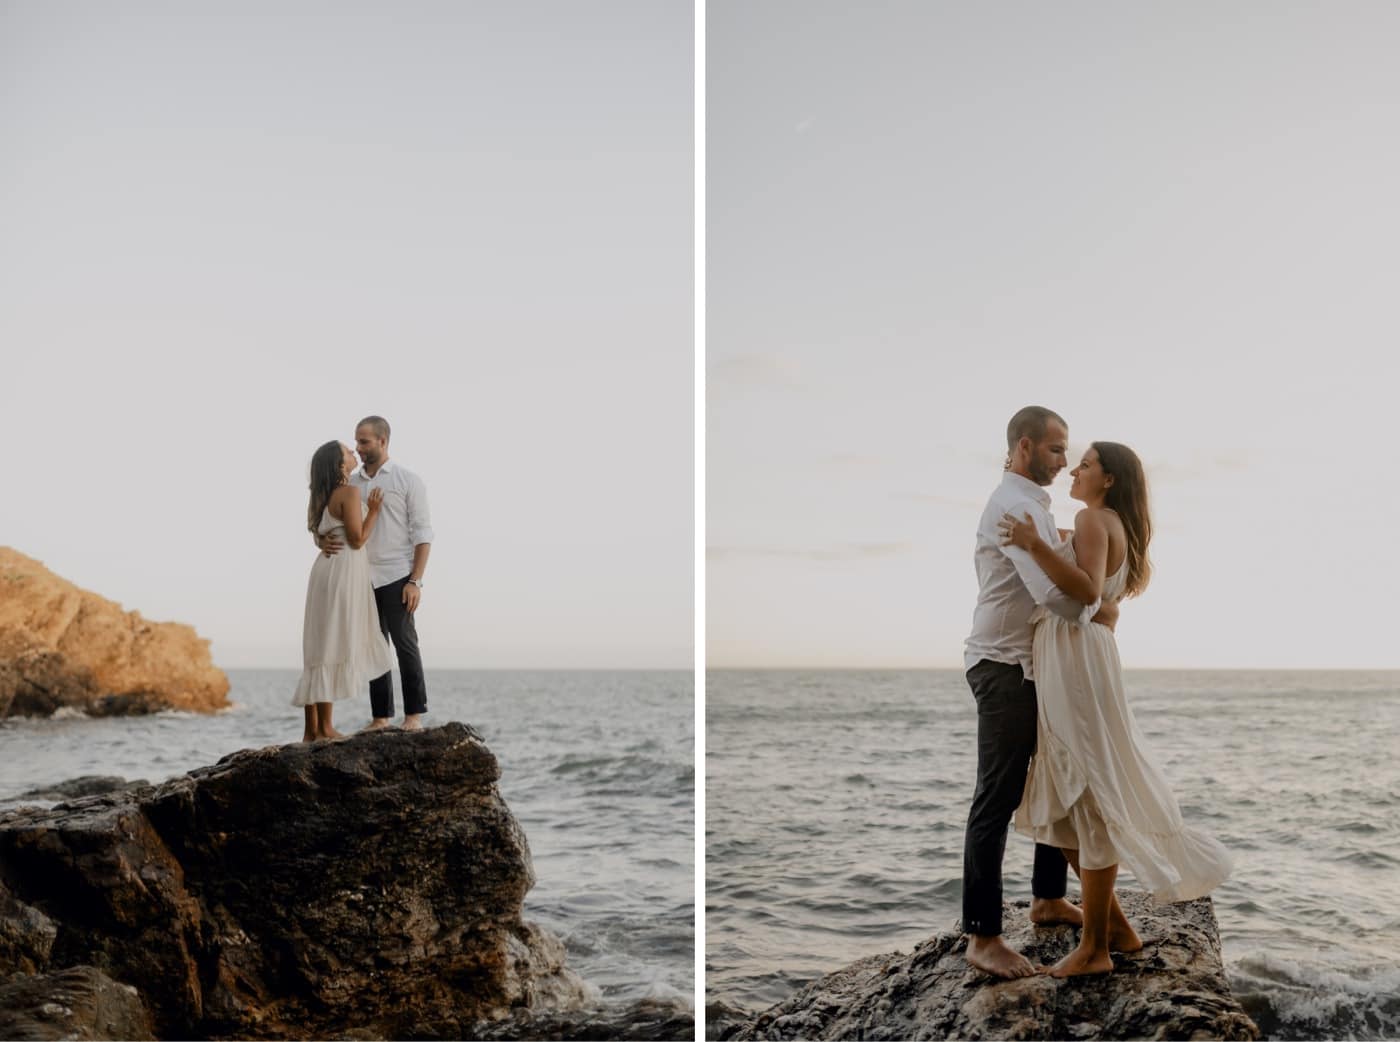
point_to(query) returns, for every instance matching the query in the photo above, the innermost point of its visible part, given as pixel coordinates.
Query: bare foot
(1049, 911)
(308, 737)
(1082, 963)
(412, 723)
(993, 955)
(377, 724)
(1124, 939)
(332, 733)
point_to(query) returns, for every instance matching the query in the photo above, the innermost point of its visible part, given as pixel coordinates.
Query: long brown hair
(1127, 497)
(325, 479)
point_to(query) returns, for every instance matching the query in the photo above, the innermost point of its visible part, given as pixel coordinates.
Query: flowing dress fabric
(1090, 786)
(342, 646)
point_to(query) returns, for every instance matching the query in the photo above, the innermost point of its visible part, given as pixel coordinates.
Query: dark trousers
(397, 624)
(1006, 725)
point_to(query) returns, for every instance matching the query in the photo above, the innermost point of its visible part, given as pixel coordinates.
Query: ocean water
(597, 766)
(836, 803)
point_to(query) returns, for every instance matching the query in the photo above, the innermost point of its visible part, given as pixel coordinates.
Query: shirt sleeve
(420, 524)
(1042, 590)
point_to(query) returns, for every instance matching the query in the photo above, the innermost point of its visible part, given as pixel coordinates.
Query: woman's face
(1090, 481)
(347, 461)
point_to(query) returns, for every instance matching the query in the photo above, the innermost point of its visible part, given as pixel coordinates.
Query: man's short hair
(1030, 422)
(378, 424)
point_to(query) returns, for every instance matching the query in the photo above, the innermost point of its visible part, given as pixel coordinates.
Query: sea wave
(1294, 1000)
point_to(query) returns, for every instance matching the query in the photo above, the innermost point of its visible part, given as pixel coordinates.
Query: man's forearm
(420, 560)
(1067, 607)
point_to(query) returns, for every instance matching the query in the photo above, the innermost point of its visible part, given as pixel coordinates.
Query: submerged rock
(1175, 988)
(87, 785)
(370, 887)
(63, 646)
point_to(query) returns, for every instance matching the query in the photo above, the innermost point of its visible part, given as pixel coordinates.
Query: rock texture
(1175, 988)
(63, 646)
(368, 888)
(656, 1021)
(81, 1003)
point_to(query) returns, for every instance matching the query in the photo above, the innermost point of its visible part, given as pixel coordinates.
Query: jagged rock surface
(63, 646)
(1175, 988)
(78, 1003)
(370, 887)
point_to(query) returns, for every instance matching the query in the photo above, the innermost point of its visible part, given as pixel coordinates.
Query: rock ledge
(1175, 988)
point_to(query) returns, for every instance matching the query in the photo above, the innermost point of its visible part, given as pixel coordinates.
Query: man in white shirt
(1000, 672)
(398, 556)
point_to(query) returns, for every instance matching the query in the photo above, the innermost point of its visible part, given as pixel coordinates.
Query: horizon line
(1126, 669)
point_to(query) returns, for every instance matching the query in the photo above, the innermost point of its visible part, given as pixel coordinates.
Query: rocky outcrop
(1175, 988)
(63, 646)
(368, 888)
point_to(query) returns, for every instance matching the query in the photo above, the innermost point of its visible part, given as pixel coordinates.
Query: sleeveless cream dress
(342, 646)
(1091, 787)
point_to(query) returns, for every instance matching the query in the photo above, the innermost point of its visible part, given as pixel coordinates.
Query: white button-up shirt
(402, 524)
(1011, 584)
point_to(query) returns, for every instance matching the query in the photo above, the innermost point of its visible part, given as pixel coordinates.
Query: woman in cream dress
(1092, 790)
(343, 648)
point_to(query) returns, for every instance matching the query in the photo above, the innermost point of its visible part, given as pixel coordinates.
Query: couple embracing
(371, 524)
(1058, 750)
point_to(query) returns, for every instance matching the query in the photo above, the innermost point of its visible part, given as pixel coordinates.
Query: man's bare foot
(1082, 963)
(412, 722)
(993, 955)
(377, 724)
(1050, 911)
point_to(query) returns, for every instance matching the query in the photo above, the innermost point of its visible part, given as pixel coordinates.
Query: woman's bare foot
(1082, 962)
(308, 736)
(993, 955)
(1124, 939)
(1049, 911)
(332, 733)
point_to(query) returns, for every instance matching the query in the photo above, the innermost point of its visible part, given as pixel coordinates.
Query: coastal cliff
(1175, 988)
(63, 646)
(370, 887)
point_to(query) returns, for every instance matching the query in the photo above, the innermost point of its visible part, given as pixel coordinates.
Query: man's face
(370, 446)
(1048, 456)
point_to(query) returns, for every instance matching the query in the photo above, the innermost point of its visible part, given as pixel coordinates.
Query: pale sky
(1175, 224)
(228, 230)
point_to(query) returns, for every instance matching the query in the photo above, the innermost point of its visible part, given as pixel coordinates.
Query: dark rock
(371, 886)
(642, 1020)
(76, 1003)
(87, 785)
(26, 936)
(1175, 988)
(723, 1020)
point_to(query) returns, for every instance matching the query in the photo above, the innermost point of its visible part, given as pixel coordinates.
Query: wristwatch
(417, 582)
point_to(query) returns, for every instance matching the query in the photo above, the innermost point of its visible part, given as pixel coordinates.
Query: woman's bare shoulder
(1090, 518)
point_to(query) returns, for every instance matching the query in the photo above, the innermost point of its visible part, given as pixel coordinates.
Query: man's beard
(1041, 473)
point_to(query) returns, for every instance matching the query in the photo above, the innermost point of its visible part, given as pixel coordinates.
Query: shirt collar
(384, 468)
(1026, 486)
